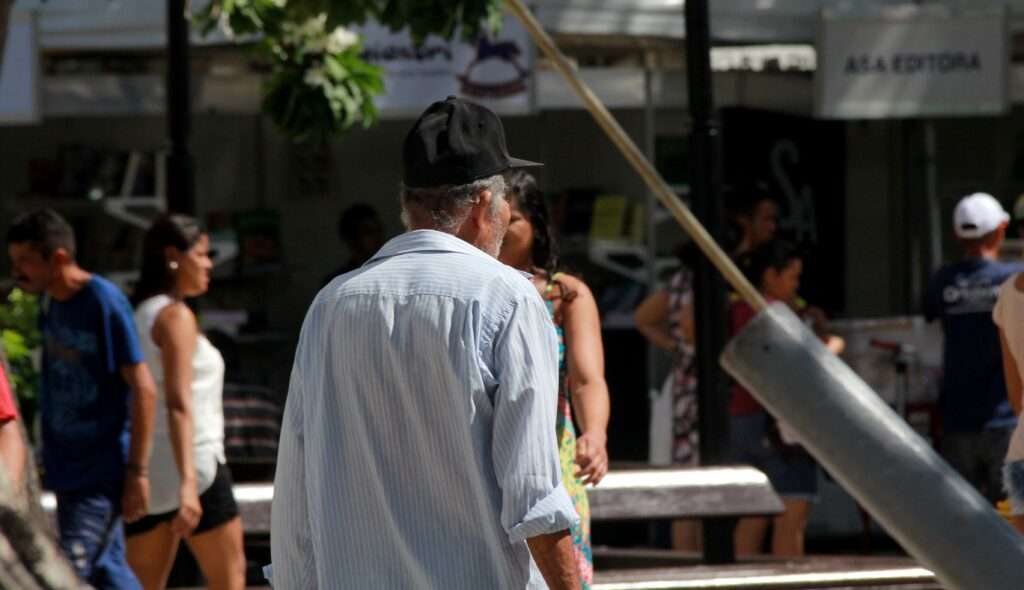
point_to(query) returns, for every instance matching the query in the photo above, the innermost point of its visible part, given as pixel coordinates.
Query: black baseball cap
(456, 142)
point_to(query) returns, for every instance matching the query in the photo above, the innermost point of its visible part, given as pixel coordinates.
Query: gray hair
(449, 205)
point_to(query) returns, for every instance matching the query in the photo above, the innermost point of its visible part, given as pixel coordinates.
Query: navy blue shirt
(973, 393)
(84, 401)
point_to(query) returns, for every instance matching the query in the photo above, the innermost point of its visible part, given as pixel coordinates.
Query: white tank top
(207, 412)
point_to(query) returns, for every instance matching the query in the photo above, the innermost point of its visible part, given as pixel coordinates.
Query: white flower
(340, 40)
(315, 45)
(279, 3)
(224, 24)
(315, 77)
(290, 34)
(315, 26)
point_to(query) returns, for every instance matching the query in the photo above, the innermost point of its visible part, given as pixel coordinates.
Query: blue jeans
(978, 458)
(92, 537)
(1013, 483)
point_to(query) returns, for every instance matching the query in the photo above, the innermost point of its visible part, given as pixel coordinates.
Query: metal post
(934, 207)
(709, 308)
(5, 12)
(180, 169)
(650, 208)
(651, 201)
(875, 455)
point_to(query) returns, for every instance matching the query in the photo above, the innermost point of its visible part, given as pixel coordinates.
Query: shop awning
(134, 24)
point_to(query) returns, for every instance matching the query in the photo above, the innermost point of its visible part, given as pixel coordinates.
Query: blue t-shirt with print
(973, 393)
(84, 400)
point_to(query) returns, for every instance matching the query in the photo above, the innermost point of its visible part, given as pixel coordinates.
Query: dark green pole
(180, 169)
(710, 292)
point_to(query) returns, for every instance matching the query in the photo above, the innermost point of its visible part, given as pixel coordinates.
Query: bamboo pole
(636, 158)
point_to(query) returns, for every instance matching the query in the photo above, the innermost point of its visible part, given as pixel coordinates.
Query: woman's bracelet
(137, 469)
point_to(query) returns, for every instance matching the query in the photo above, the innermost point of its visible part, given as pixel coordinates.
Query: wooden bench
(623, 495)
(863, 573)
(704, 492)
(665, 493)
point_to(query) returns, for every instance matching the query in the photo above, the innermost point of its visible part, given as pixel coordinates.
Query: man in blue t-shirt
(96, 399)
(976, 417)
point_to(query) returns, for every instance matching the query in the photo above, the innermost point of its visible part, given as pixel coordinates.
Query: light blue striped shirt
(418, 448)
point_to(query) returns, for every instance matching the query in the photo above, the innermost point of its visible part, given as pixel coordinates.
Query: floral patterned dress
(685, 442)
(567, 443)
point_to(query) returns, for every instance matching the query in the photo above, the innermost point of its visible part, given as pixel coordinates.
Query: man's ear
(481, 212)
(61, 257)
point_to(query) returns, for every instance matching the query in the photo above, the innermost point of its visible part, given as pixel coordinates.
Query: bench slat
(683, 493)
(624, 494)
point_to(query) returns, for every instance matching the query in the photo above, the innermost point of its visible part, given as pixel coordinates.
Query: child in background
(757, 439)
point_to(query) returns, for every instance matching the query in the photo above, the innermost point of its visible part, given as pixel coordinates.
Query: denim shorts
(1013, 483)
(792, 472)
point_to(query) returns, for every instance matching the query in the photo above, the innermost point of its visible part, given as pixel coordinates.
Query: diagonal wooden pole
(637, 160)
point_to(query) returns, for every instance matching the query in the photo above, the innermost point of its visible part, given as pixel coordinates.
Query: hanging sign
(912, 63)
(495, 71)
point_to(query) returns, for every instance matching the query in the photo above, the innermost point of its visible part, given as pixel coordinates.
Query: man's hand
(591, 457)
(135, 500)
(189, 510)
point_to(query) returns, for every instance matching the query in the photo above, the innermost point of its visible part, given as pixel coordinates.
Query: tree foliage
(20, 339)
(320, 85)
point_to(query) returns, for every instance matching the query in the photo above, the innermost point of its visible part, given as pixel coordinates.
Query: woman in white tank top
(190, 486)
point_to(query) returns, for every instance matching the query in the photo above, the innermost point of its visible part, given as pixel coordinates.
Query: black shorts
(218, 503)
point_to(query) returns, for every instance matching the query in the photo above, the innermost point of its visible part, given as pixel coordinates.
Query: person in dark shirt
(362, 232)
(976, 417)
(753, 213)
(96, 399)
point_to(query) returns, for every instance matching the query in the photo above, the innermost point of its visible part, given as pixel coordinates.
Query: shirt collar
(426, 240)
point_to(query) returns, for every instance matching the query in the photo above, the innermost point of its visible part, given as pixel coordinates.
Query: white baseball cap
(977, 215)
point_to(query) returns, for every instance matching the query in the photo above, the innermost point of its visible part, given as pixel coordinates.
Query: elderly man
(418, 446)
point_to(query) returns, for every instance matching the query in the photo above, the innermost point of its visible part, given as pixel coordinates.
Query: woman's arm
(12, 451)
(651, 318)
(585, 358)
(177, 334)
(1011, 375)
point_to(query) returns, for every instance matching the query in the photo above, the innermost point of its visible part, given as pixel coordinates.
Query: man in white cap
(976, 418)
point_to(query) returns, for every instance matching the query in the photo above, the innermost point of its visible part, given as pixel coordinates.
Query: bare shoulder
(574, 284)
(174, 320)
(1018, 282)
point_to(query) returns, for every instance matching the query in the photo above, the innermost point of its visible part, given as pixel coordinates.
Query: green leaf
(306, 113)
(14, 345)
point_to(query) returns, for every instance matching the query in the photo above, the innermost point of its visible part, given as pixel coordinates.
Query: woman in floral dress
(583, 393)
(665, 318)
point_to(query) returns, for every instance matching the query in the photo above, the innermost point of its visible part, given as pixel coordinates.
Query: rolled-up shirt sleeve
(525, 446)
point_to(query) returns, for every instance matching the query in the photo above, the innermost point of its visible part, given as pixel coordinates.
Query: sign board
(912, 63)
(496, 72)
(19, 72)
